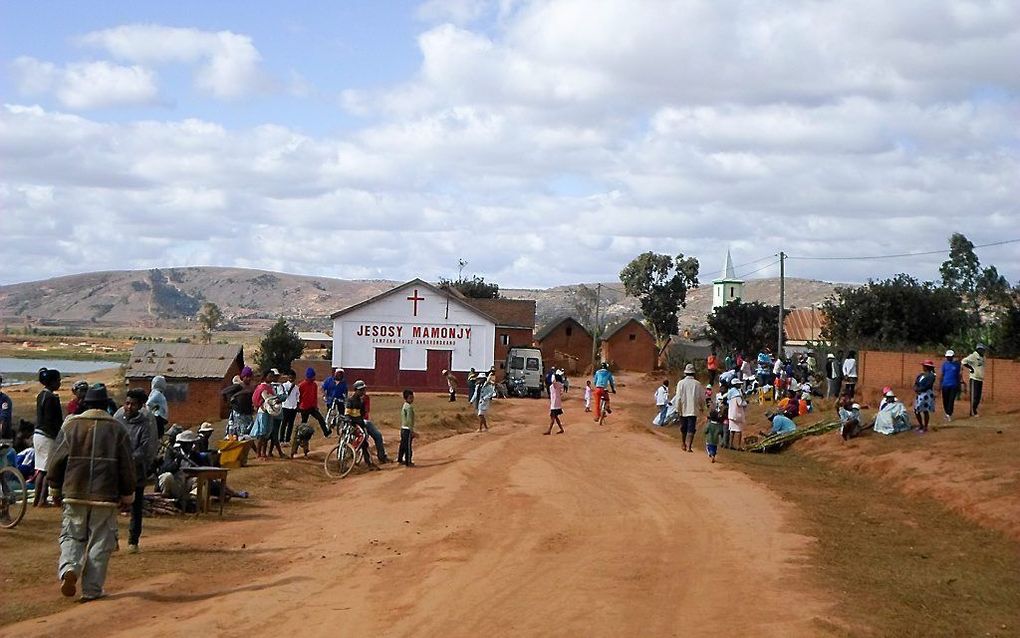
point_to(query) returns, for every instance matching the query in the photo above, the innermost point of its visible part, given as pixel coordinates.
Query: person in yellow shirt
(975, 364)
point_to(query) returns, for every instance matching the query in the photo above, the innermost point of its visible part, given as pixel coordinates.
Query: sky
(544, 143)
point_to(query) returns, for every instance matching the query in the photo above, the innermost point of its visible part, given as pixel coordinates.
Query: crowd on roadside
(791, 384)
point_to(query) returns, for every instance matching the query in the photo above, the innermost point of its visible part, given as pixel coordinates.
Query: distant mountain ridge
(170, 297)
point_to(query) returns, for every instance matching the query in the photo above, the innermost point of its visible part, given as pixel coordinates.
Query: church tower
(727, 288)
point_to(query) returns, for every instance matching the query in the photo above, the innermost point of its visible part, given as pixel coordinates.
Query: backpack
(273, 406)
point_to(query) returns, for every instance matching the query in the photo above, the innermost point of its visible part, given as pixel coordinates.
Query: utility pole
(460, 269)
(595, 341)
(782, 300)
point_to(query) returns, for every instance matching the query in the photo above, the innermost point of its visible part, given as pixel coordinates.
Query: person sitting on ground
(790, 405)
(850, 421)
(892, 418)
(887, 393)
(355, 411)
(172, 482)
(781, 424)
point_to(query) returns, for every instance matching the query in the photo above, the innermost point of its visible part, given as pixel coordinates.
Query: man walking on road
(604, 381)
(141, 427)
(975, 364)
(689, 402)
(93, 472)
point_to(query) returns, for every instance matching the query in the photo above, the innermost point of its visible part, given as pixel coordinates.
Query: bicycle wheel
(340, 461)
(13, 497)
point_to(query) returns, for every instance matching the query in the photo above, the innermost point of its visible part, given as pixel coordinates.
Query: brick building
(566, 344)
(195, 376)
(515, 323)
(630, 346)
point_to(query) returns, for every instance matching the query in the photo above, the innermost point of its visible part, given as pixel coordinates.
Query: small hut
(630, 346)
(566, 344)
(195, 376)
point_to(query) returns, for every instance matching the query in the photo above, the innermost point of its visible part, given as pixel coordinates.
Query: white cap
(856, 406)
(950, 353)
(890, 394)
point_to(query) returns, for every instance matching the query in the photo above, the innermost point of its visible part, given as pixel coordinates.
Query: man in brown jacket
(93, 473)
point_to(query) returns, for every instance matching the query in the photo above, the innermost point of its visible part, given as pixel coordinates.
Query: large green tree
(894, 313)
(744, 327)
(660, 283)
(983, 293)
(279, 347)
(474, 288)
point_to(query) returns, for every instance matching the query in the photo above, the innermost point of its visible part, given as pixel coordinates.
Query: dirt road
(598, 532)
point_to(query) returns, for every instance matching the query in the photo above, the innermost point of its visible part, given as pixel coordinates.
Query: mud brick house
(630, 346)
(406, 336)
(566, 344)
(195, 376)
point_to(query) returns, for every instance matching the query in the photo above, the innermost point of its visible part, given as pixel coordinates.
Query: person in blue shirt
(334, 388)
(781, 424)
(603, 380)
(950, 385)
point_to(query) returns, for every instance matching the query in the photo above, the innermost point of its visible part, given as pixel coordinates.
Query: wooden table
(203, 475)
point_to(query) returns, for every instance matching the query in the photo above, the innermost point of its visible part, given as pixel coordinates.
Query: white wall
(390, 323)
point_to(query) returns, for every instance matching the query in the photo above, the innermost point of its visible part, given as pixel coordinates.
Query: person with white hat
(689, 402)
(662, 401)
(951, 375)
(975, 364)
(892, 417)
(850, 420)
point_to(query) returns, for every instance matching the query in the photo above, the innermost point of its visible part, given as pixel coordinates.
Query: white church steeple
(727, 288)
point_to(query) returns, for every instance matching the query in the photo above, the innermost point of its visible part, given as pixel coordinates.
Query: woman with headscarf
(157, 403)
(924, 388)
(49, 416)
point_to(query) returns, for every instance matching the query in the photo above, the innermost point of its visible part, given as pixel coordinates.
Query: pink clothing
(556, 396)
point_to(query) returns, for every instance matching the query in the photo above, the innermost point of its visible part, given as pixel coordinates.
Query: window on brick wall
(504, 339)
(633, 337)
(570, 330)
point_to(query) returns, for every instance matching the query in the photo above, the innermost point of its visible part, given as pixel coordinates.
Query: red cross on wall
(415, 299)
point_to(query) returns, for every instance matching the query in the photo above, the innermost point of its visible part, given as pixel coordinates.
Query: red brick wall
(898, 369)
(518, 337)
(638, 355)
(578, 344)
(205, 403)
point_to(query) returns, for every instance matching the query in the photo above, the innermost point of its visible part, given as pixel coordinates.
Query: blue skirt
(263, 426)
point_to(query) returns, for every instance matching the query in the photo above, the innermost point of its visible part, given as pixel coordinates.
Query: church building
(407, 336)
(727, 288)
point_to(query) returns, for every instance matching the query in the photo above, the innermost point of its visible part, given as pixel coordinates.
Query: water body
(21, 367)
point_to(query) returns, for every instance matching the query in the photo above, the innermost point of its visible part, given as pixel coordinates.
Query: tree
(983, 292)
(744, 327)
(660, 283)
(279, 347)
(961, 270)
(209, 317)
(894, 313)
(474, 288)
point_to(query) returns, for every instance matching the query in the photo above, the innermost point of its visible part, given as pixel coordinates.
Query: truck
(524, 369)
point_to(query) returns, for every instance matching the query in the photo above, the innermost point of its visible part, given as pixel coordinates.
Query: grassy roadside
(906, 565)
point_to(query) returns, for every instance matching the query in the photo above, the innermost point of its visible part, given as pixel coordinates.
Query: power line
(753, 262)
(899, 255)
(769, 265)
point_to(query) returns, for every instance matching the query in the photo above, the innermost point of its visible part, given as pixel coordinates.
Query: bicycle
(13, 492)
(347, 452)
(334, 414)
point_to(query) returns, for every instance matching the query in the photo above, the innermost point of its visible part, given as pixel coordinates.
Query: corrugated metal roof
(182, 360)
(314, 336)
(804, 324)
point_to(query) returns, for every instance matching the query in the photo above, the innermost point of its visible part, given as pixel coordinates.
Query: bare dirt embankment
(597, 532)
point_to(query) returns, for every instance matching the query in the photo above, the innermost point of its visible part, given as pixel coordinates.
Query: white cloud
(227, 62)
(457, 11)
(87, 85)
(550, 142)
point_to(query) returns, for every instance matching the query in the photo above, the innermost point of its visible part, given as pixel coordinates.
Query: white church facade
(727, 288)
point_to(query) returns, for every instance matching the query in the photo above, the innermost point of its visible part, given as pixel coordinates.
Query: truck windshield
(517, 363)
(532, 363)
